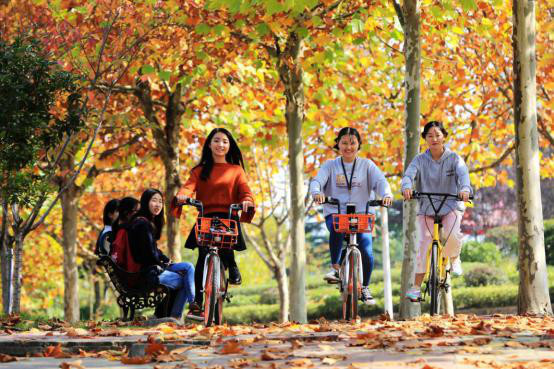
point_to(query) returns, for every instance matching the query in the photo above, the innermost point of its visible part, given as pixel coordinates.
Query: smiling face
(435, 139)
(348, 147)
(220, 147)
(156, 204)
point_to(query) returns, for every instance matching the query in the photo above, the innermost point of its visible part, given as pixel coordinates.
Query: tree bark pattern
(533, 295)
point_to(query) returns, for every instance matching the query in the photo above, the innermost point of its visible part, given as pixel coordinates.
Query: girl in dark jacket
(145, 231)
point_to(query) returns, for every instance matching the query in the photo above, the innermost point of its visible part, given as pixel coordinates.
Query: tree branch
(496, 162)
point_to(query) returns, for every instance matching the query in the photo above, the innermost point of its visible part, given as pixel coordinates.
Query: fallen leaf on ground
(155, 348)
(7, 358)
(77, 364)
(136, 360)
(56, 352)
(231, 347)
(301, 363)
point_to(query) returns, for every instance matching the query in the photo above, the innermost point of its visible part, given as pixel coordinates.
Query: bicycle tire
(222, 291)
(210, 291)
(350, 293)
(434, 281)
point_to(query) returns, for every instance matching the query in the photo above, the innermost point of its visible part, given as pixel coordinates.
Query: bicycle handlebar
(333, 201)
(417, 195)
(198, 205)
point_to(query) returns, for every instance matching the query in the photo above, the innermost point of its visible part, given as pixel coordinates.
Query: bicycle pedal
(333, 281)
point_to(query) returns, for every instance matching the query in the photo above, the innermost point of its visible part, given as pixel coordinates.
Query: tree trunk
(17, 269)
(533, 296)
(6, 259)
(172, 185)
(412, 54)
(97, 296)
(386, 262)
(282, 283)
(291, 74)
(69, 201)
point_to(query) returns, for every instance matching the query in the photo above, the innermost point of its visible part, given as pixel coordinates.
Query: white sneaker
(332, 276)
(366, 297)
(456, 266)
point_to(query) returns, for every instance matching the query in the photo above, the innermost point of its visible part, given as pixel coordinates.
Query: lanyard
(348, 183)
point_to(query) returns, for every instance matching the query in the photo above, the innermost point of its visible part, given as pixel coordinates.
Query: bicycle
(350, 273)
(215, 233)
(436, 272)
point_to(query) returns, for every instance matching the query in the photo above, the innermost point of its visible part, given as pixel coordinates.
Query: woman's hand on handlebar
(407, 193)
(387, 201)
(464, 196)
(247, 205)
(319, 198)
(181, 199)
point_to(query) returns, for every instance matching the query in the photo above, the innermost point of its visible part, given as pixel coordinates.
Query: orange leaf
(136, 360)
(231, 347)
(155, 348)
(7, 358)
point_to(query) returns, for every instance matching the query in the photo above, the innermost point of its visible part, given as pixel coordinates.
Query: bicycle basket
(353, 223)
(217, 232)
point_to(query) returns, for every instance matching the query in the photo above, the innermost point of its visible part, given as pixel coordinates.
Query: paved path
(441, 342)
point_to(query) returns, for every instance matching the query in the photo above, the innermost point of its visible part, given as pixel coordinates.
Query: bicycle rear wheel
(434, 281)
(210, 290)
(221, 292)
(350, 293)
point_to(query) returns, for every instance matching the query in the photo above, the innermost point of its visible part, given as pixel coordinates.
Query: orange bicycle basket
(353, 223)
(222, 233)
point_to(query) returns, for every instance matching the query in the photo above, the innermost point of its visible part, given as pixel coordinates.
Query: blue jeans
(182, 282)
(336, 241)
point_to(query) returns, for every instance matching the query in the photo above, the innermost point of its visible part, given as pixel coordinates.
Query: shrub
(505, 237)
(269, 296)
(484, 276)
(484, 252)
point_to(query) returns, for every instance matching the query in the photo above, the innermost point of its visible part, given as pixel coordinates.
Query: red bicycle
(350, 273)
(215, 234)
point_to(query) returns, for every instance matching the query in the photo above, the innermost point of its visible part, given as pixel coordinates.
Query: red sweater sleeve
(243, 190)
(191, 185)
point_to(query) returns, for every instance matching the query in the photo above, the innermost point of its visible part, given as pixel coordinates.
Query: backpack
(103, 243)
(121, 252)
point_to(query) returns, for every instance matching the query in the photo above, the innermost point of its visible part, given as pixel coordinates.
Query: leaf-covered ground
(464, 341)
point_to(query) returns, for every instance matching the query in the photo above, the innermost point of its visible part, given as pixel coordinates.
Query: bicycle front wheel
(350, 293)
(434, 281)
(210, 289)
(221, 292)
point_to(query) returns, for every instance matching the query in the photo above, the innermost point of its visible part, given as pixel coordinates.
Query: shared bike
(350, 273)
(436, 274)
(215, 234)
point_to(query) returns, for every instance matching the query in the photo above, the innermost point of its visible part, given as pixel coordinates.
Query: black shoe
(234, 275)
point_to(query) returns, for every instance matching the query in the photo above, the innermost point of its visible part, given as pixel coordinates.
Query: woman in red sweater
(218, 181)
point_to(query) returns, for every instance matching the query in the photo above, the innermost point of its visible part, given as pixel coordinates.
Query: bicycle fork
(439, 264)
(345, 270)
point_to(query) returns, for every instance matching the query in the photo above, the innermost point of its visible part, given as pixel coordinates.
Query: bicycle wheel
(351, 291)
(434, 281)
(210, 290)
(222, 291)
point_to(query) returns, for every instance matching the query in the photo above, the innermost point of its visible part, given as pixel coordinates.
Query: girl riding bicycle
(218, 181)
(438, 169)
(349, 179)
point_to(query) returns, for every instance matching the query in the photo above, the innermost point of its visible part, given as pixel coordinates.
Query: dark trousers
(227, 257)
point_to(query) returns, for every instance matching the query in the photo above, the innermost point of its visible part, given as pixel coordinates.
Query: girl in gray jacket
(349, 179)
(440, 170)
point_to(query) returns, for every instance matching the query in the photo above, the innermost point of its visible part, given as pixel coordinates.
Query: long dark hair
(110, 207)
(125, 209)
(348, 131)
(144, 211)
(234, 156)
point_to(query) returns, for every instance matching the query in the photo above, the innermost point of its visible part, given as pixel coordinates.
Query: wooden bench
(133, 292)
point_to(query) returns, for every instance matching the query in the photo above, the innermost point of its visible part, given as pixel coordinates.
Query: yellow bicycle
(436, 269)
